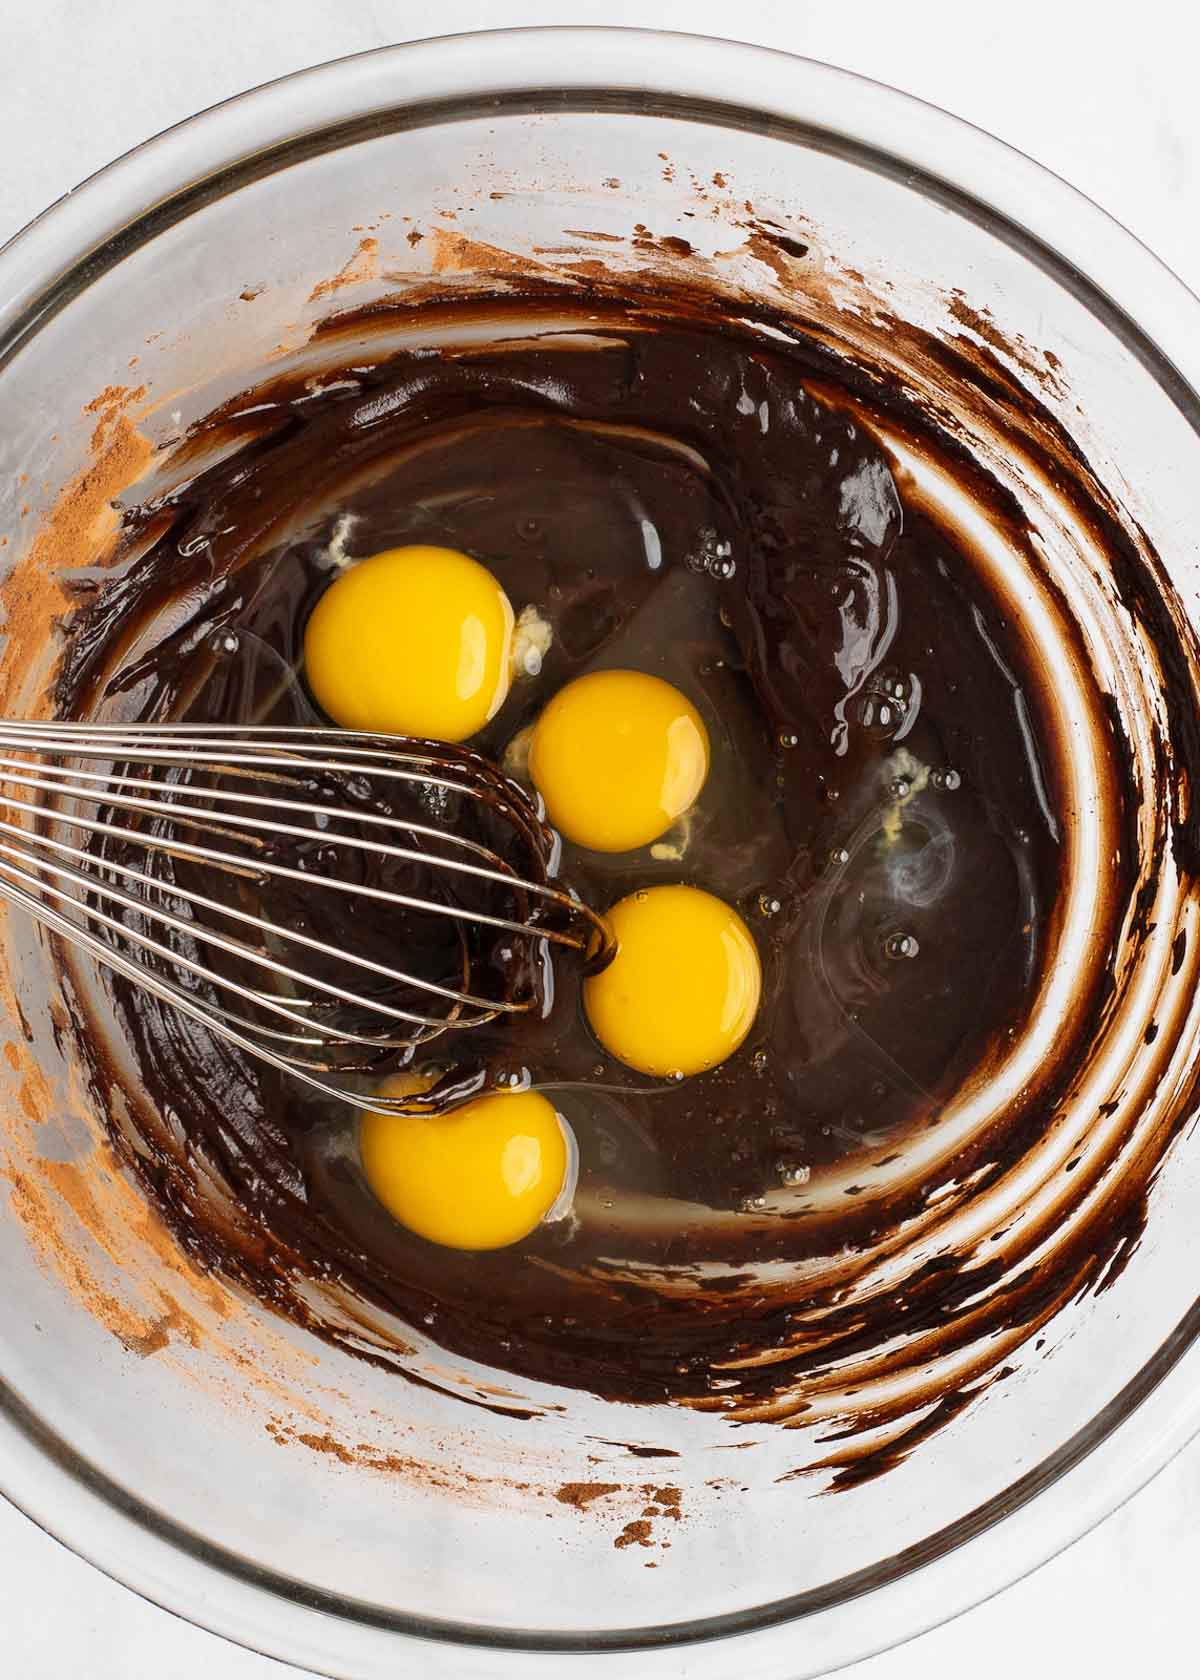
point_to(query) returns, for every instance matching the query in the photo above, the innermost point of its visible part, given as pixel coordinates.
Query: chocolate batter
(681, 494)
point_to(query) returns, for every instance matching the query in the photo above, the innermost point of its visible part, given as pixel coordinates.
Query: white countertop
(1107, 101)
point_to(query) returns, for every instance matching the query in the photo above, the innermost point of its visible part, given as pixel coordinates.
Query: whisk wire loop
(263, 882)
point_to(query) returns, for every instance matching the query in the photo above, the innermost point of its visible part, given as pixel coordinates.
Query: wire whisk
(325, 900)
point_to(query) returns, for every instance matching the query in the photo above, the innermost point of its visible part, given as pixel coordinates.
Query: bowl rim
(167, 178)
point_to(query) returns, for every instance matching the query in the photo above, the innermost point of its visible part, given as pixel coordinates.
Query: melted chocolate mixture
(669, 495)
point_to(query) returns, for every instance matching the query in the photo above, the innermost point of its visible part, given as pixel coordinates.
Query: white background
(1105, 96)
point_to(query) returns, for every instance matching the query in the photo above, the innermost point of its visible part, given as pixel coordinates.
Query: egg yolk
(683, 989)
(413, 641)
(618, 756)
(482, 1176)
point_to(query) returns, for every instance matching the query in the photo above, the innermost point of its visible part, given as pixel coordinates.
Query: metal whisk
(322, 899)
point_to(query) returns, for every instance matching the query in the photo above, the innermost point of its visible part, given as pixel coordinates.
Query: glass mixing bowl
(226, 1465)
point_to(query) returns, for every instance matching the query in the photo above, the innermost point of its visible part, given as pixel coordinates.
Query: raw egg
(481, 1176)
(684, 987)
(413, 641)
(618, 756)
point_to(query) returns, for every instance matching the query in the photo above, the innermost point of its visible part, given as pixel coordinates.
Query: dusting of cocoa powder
(360, 267)
(581, 1494)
